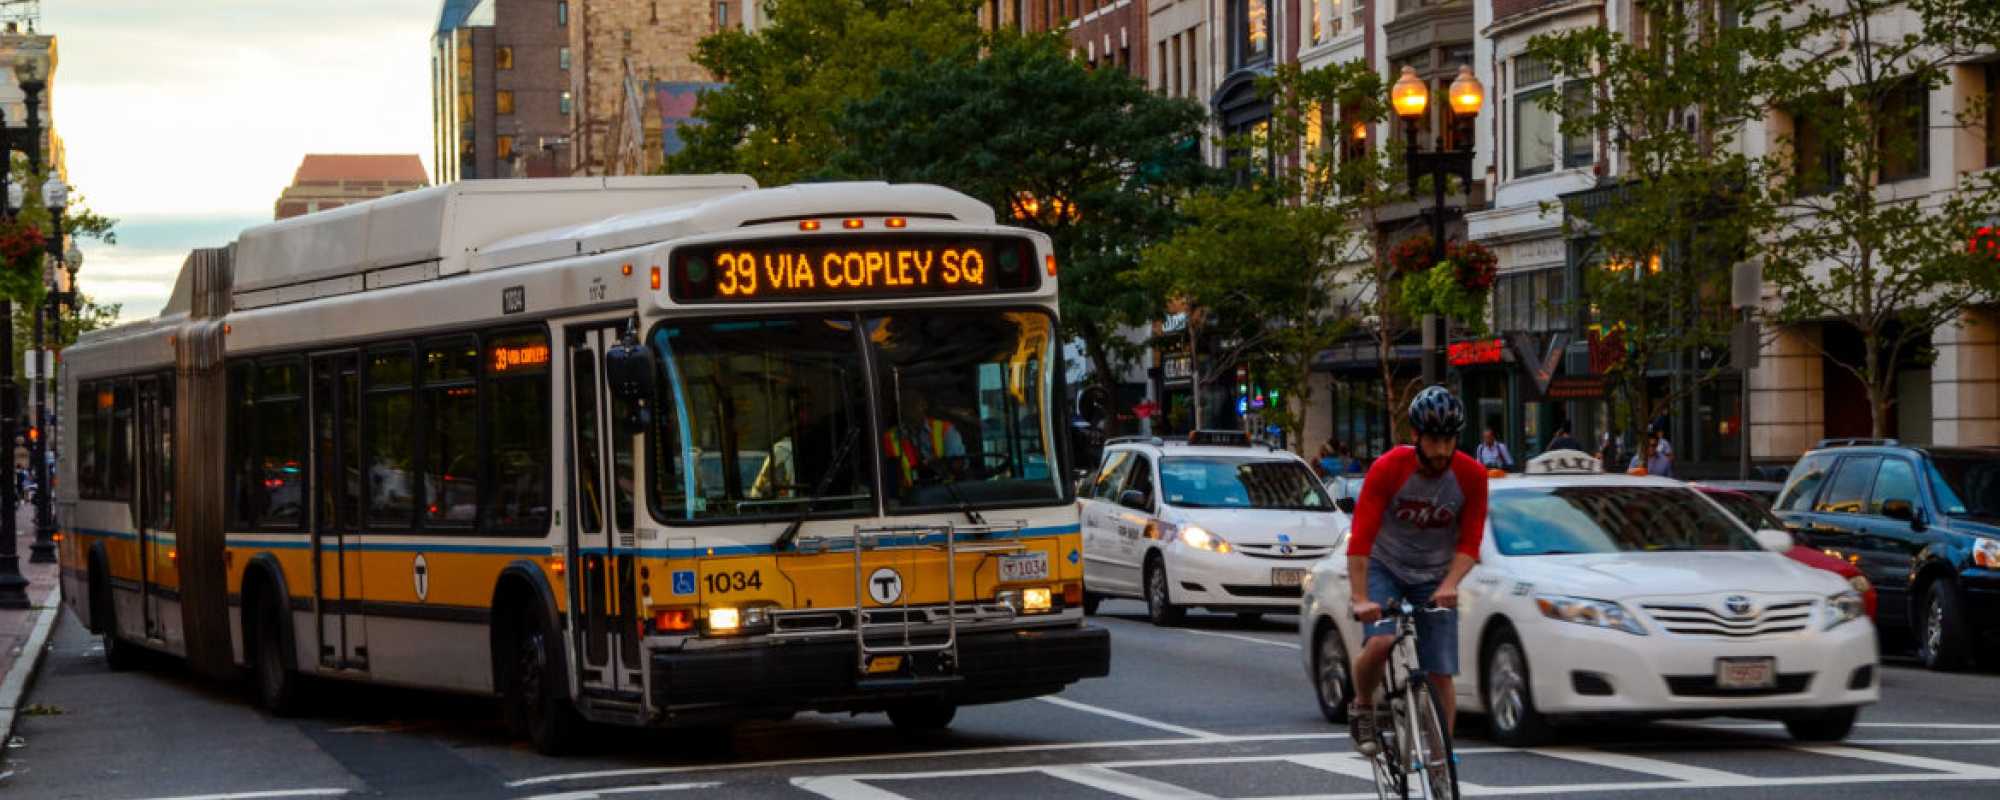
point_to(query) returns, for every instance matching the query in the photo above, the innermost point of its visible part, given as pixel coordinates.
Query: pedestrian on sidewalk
(1493, 453)
(1564, 441)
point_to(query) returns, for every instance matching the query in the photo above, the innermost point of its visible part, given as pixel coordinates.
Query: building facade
(1102, 32)
(501, 99)
(325, 181)
(628, 54)
(40, 51)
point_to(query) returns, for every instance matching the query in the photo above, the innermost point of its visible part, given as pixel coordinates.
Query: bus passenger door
(603, 600)
(336, 489)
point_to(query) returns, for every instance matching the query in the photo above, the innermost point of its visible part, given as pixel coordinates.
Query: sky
(183, 120)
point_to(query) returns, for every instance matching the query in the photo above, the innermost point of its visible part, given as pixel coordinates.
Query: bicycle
(1416, 718)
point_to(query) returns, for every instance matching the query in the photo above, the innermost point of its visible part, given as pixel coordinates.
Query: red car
(1758, 516)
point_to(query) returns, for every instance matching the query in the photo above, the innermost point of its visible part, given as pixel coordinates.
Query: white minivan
(1215, 523)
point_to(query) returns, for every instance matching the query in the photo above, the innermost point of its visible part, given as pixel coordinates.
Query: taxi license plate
(1288, 577)
(1025, 567)
(1746, 673)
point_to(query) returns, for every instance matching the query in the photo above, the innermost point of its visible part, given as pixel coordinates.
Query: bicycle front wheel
(1434, 770)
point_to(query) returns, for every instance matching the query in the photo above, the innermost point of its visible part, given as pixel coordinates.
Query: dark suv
(1923, 523)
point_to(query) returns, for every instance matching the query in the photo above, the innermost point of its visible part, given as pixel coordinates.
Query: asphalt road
(1215, 709)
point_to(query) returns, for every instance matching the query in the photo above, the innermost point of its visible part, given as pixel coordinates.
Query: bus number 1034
(723, 582)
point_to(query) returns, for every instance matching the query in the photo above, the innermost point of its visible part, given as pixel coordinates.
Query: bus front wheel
(537, 692)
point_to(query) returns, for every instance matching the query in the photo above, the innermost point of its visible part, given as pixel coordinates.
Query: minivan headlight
(1196, 537)
(1986, 552)
(1843, 608)
(1585, 611)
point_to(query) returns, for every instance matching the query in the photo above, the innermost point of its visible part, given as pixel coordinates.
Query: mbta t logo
(885, 586)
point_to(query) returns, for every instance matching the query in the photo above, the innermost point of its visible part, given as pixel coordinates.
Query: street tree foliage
(1853, 244)
(21, 278)
(1685, 204)
(1272, 269)
(1090, 157)
(786, 84)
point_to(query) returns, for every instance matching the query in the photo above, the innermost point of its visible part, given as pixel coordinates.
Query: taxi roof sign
(1564, 462)
(1221, 438)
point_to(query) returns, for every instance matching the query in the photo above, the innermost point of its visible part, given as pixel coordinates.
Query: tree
(1687, 203)
(21, 266)
(1848, 248)
(1089, 157)
(788, 82)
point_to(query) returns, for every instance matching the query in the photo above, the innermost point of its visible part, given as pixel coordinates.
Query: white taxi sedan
(1615, 596)
(1218, 524)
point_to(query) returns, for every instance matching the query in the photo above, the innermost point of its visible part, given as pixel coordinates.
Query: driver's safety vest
(903, 453)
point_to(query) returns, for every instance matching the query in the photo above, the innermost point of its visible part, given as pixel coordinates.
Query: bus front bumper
(774, 679)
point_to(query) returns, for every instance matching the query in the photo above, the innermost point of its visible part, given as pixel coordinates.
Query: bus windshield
(754, 415)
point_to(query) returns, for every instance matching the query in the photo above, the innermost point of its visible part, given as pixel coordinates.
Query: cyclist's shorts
(1437, 634)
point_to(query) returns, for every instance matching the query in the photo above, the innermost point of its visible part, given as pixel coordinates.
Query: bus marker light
(673, 619)
(625, 269)
(851, 224)
(724, 620)
(1072, 594)
(809, 225)
(1036, 600)
(656, 279)
(174, 556)
(896, 222)
(1049, 264)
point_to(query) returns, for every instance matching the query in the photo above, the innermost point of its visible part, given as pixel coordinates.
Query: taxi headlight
(1585, 611)
(1860, 583)
(1986, 552)
(1842, 608)
(1199, 538)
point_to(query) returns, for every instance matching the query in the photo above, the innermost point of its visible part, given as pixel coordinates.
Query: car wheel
(1159, 604)
(1511, 718)
(1091, 600)
(1828, 726)
(1941, 633)
(1333, 679)
(922, 717)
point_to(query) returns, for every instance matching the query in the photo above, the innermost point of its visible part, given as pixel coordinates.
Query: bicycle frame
(1393, 767)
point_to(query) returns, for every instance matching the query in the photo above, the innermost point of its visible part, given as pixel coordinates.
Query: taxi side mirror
(1345, 504)
(1135, 499)
(1775, 541)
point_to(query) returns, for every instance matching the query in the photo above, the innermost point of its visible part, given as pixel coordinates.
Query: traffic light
(1242, 379)
(34, 434)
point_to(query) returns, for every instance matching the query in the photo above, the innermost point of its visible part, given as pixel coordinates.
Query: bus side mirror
(630, 372)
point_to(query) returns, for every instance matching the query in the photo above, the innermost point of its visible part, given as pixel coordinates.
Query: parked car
(1214, 523)
(1765, 492)
(1625, 596)
(1923, 523)
(1756, 513)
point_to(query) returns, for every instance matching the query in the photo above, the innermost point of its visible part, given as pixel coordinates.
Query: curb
(16, 683)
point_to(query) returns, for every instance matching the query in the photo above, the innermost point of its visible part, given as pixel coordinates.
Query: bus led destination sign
(837, 267)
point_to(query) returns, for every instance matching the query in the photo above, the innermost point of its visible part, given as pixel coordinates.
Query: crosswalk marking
(1125, 784)
(1646, 766)
(1903, 760)
(1131, 718)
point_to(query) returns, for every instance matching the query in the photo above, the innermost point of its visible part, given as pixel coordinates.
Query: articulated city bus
(653, 451)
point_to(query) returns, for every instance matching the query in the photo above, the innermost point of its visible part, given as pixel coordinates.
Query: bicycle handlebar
(1405, 608)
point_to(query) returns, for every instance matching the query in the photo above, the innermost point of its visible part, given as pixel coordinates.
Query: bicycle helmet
(1436, 412)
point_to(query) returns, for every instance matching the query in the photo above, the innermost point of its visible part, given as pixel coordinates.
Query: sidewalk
(24, 633)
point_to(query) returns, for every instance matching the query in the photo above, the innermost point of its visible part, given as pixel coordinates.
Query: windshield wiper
(819, 490)
(937, 464)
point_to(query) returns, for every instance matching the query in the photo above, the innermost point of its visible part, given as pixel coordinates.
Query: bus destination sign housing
(853, 267)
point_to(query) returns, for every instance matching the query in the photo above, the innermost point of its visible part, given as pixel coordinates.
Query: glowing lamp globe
(1467, 95)
(1410, 95)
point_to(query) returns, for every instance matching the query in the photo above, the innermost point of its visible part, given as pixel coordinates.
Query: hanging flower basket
(21, 249)
(1411, 256)
(1475, 266)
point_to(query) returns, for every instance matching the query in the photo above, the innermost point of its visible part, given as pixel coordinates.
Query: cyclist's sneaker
(1362, 725)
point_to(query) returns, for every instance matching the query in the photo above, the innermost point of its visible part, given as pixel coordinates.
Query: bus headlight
(1842, 608)
(724, 620)
(1038, 600)
(730, 621)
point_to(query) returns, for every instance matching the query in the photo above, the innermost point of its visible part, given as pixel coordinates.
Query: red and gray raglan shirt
(1413, 524)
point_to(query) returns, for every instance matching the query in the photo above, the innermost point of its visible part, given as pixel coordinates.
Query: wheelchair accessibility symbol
(684, 581)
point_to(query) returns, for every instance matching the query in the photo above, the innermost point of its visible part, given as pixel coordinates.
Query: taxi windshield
(1226, 482)
(1575, 520)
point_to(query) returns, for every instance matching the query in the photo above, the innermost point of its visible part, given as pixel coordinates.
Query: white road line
(1920, 742)
(916, 755)
(595, 794)
(1125, 784)
(1242, 638)
(1771, 726)
(841, 787)
(1903, 760)
(1349, 764)
(1640, 764)
(275, 793)
(1131, 718)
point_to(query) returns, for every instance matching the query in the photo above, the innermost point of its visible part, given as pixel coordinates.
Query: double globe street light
(55, 196)
(1411, 98)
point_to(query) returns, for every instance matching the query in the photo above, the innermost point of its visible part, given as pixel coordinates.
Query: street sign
(36, 369)
(1746, 345)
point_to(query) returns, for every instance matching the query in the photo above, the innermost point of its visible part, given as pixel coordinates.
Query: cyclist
(1416, 534)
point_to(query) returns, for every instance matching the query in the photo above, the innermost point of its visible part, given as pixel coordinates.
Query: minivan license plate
(1288, 577)
(1025, 567)
(1746, 673)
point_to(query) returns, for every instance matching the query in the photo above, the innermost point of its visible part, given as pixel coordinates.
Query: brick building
(628, 56)
(500, 89)
(1104, 32)
(330, 181)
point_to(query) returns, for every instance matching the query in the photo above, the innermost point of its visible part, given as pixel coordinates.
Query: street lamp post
(1410, 97)
(13, 586)
(55, 197)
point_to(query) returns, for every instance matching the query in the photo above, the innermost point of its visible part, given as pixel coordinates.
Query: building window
(1993, 114)
(721, 15)
(562, 13)
(1902, 133)
(503, 57)
(1815, 167)
(503, 147)
(1252, 22)
(1532, 300)
(503, 102)
(564, 103)
(562, 58)
(1576, 146)
(1535, 129)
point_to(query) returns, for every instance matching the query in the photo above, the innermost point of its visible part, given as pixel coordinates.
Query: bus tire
(537, 691)
(272, 674)
(922, 717)
(119, 655)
